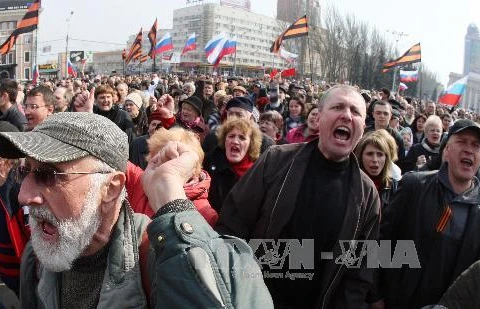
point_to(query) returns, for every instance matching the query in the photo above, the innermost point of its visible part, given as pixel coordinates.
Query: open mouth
(48, 228)
(234, 150)
(342, 133)
(467, 162)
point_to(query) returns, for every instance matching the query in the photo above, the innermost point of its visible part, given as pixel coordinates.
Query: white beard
(74, 235)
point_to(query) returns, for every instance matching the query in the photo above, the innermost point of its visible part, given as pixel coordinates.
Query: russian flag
(402, 87)
(70, 69)
(454, 92)
(35, 74)
(408, 76)
(165, 44)
(191, 44)
(212, 46)
(230, 47)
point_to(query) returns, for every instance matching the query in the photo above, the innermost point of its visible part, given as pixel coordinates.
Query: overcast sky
(440, 26)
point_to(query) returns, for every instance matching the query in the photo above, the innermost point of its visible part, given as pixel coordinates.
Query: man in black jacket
(314, 191)
(440, 212)
(105, 107)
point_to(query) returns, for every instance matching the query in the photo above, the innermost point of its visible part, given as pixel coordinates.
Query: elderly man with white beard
(89, 250)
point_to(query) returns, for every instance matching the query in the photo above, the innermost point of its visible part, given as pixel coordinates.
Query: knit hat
(65, 137)
(241, 102)
(135, 98)
(195, 102)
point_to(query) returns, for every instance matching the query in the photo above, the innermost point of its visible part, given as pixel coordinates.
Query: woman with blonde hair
(376, 152)
(196, 188)
(239, 142)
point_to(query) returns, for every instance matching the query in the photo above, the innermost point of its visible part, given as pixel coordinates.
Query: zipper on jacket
(278, 196)
(340, 267)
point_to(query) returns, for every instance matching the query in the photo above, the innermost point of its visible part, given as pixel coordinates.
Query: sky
(440, 26)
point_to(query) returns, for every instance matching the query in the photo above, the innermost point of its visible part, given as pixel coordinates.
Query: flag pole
(394, 77)
(420, 80)
(154, 62)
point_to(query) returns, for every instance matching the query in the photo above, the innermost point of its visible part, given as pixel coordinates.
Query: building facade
(471, 60)
(291, 10)
(19, 61)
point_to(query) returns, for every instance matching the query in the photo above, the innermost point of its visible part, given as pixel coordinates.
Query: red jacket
(196, 192)
(295, 135)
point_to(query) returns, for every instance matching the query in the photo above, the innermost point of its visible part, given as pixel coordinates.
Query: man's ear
(112, 190)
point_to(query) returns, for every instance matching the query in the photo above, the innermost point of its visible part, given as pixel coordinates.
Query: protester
(14, 232)
(133, 105)
(316, 191)
(8, 107)
(438, 211)
(89, 250)
(376, 153)
(190, 116)
(271, 124)
(63, 97)
(446, 121)
(427, 150)
(296, 112)
(198, 186)
(40, 104)
(418, 128)
(306, 132)
(220, 100)
(238, 148)
(407, 137)
(139, 147)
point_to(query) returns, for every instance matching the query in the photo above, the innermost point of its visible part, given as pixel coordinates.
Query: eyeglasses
(48, 176)
(33, 107)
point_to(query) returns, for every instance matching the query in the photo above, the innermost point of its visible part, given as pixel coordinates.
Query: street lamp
(398, 35)
(66, 45)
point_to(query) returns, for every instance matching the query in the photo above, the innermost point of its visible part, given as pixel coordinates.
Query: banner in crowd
(454, 92)
(71, 70)
(28, 23)
(408, 76)
(298, 29)
(136, 46)
(152, 37)
(413, 55)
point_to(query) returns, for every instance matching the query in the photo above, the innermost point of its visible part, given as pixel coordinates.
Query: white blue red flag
(454, 92)
(191, 44)
(408, 76)
(165, 44)
(71, 70)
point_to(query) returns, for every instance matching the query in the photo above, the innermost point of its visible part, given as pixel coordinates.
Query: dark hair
(386, 91)
(45, 91)
(10, 87)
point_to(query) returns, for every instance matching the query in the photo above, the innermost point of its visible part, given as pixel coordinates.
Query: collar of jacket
(471, 196)
(220, 160)
(286, 198)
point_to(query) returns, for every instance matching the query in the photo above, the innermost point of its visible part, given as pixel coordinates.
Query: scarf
(242, 167)
(192, 124)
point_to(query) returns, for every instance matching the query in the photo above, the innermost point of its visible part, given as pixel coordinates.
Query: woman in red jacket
(196, 188)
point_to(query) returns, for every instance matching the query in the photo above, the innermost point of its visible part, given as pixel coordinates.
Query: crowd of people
(131, 191)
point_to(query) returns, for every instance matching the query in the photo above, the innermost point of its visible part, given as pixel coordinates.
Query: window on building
(26, 57)
(10, 58)
(27, 73)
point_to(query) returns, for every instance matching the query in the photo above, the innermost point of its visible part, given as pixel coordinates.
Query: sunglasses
(48, 176)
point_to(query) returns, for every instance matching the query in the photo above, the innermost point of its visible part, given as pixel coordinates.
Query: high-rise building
(19, 61)
(471, 61)
(291, 10)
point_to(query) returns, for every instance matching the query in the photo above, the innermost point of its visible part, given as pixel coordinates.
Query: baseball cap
(65, 137)
(464, 124)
